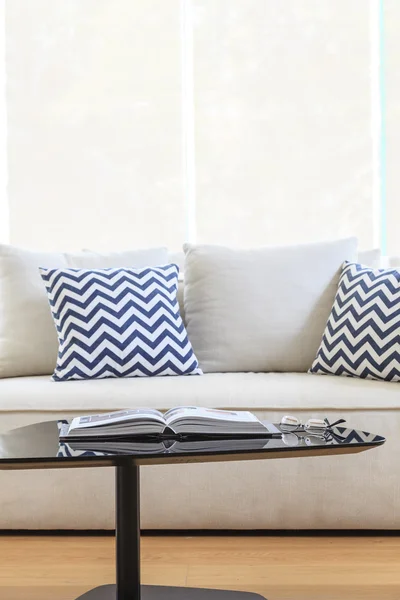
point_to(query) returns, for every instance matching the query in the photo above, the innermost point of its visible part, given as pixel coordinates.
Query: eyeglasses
(317, 427)
(313, 433)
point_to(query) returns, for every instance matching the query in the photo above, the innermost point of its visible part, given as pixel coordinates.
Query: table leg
(127, 524)
(127, 506)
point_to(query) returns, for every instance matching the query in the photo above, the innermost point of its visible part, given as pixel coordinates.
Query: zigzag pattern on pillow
(118, 323)
(362, 336)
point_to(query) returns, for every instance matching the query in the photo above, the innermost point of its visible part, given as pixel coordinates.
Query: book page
(196, 412)
(121, 416)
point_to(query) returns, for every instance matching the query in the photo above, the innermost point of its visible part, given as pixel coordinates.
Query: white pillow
(370, 258)
(150, 257)
(178, 258)
(389, 262)
(261, 310)
(28, 339)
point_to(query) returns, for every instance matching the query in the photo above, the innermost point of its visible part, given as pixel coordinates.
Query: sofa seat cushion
(251, 391)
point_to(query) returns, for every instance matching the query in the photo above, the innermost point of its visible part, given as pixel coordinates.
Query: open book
(175, 423)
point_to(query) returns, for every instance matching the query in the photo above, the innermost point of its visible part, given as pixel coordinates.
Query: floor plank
(279, 568)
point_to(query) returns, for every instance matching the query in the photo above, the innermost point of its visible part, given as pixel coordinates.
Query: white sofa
(342, 492)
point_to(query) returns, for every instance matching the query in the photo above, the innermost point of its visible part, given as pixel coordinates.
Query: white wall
(282, 122)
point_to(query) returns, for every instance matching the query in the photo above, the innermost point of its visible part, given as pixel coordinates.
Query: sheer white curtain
(224, 121)
(283, 112)
(94, 104)
(391, 42)
(4, 214)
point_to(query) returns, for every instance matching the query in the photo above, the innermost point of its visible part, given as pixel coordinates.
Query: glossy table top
(38, 447)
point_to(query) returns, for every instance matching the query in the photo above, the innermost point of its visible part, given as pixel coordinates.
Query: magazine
(176, 422)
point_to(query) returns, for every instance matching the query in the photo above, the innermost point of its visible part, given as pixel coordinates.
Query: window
(4, 216)
(391, 133)
(220, 121)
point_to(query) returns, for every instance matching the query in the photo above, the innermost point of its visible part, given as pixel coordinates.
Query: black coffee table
(37, 447)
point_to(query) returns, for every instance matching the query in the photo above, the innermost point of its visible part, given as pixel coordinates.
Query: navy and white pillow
(118, 323)
(362, 336)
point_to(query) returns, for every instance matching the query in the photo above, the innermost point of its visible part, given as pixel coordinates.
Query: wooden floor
(290, 568)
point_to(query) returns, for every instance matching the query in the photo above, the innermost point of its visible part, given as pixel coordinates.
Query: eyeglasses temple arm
(338, 422)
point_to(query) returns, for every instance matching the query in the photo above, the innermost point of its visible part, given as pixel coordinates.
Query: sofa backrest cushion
(261, 310)
(89, 259)
(28, 339)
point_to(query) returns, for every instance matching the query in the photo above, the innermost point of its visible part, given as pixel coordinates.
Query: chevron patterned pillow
(118, 323)
(362, 336)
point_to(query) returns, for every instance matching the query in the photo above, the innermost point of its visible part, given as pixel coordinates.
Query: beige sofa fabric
(357, 491)
(264, 391)
(28, 340)
(261, 310)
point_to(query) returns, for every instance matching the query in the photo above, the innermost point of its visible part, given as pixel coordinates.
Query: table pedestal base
(128, 585)
(156, 592)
